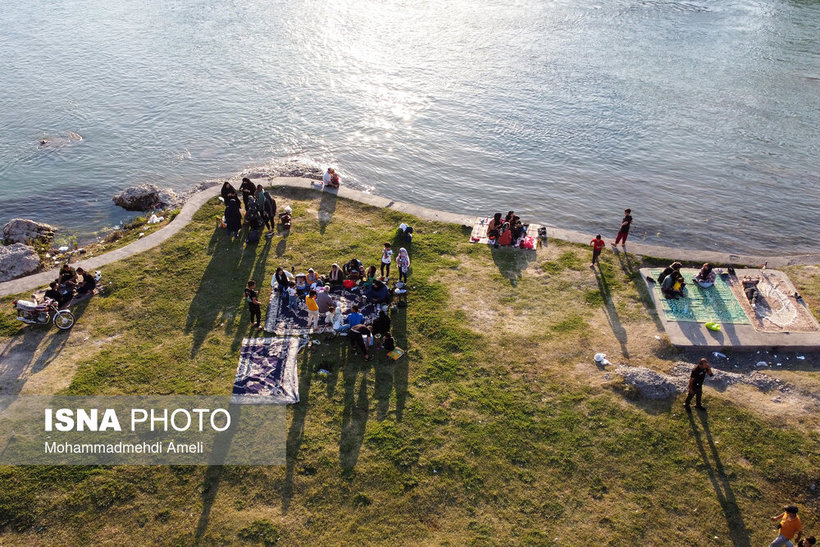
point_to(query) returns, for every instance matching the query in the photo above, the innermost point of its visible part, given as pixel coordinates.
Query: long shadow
(720, 482)
(610, 312)
(221, 277)
(401, 369)
(511, 262)
(354, 416)
(296, 432)
(327, 206)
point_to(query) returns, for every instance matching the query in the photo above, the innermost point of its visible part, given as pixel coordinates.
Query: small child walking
(252, 296)
(403, 263)
(387, 258)
(313, 310)
(597, 246)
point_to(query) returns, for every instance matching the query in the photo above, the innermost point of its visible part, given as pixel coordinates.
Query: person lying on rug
(706, 276)
(750, 287)
(336, 276)
(378, 293)
(334, 317)
(673, 286)
(354, 269)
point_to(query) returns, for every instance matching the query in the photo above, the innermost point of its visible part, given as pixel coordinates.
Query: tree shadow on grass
(610, 312)
(720, 482)
(512, 261)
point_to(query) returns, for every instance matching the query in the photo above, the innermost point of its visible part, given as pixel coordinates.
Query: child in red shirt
(597, 245)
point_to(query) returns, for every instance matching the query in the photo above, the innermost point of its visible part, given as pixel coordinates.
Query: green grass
(484, 433)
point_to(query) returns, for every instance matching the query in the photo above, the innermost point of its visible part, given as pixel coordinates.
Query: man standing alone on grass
(252, 296)
(597, 246)
(789, 526)
(623, 231)
(696, 384)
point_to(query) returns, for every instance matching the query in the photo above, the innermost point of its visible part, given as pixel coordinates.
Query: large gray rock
(146, 197)
(650, 384)
(17, 260)
(23, 230)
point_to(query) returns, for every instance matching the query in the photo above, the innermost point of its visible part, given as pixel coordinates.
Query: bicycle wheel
(63, 320)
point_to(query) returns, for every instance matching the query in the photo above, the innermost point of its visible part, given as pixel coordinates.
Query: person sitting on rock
(706, 276)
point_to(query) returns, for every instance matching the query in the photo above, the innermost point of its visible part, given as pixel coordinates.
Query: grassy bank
(495, 428)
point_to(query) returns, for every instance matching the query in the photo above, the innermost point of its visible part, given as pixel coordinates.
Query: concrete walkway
(193, 204)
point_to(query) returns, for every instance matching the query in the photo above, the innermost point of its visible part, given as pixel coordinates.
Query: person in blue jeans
(293, 300)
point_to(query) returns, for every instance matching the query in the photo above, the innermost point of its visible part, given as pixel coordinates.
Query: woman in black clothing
(233, 215)
(382, 323)
(248, 189)
(227, 188)
(282, 281)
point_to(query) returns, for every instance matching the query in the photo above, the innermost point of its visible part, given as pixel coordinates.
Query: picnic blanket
(267, 371)
(479, 233)
(282, 320)
(716, 303)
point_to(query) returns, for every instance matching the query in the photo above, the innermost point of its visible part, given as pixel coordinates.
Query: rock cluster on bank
(23, 230)
(17, 260)
(147, 197)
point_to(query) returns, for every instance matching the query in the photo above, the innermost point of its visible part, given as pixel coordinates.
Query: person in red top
(597, 246)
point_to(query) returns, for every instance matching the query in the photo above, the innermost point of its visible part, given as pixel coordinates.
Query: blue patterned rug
(267, 371)
(282, 320)
(716, 303)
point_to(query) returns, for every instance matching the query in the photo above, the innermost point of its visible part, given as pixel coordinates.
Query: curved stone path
(195, 202)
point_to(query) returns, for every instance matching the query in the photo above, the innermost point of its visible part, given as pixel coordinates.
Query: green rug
(717, 303)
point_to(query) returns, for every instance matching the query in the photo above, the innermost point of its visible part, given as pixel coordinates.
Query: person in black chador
(233, 215)
(696, 384)
(248, 189)
(227, 188)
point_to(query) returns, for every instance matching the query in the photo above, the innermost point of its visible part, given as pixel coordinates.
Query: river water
(701, 116)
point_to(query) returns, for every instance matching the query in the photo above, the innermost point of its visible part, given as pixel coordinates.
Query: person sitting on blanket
(509, 218)
(312, 277)
(354, 269)
(494, 227)
(388, 344)
(674, 267)
(323, 300)
(506, 237)
(354, 317)
(378, 293)
(334, 317)
(673, 285)
(382, 323)
(336, 276)
(285, 218)
(362, 338)
(517, 228)
(302, 285)
(282, 281)
(87, 282)
(706, 276)
(369, 278)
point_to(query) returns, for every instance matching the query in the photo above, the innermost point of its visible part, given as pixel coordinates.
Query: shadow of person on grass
(720, 482)
(327, 206)
(296, 432)
(610, 312)
(356, 411)
(512, 261)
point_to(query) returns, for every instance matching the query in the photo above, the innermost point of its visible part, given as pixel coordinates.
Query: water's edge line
(197, 200)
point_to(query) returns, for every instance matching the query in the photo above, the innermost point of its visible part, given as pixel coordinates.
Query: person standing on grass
(597, 246)
(360, 336)
(696, 384)
(252, 296)
(248, 190)
(233, 215)
(789, 526)
(313, 310)
(387, 258)
(403, 263)
(623, 231)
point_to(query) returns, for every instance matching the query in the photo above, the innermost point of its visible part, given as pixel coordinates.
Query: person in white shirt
(387, 254)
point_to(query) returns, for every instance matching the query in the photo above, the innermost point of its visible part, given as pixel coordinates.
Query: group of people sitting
(674, 286)
(70, 283)
(260, 210)
(331, 178)
(505, 231)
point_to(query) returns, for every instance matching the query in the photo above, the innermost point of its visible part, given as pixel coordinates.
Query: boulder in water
(17, 260)
(23, 230)
(146, 197)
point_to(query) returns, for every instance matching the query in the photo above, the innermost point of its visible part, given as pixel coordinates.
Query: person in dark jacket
(378, 293)
(233, 215)
(248, 189)
(382, 323)
(87, 282)
(227, 188)
(696, 384)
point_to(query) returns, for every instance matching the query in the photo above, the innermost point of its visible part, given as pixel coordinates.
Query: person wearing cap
(790, 527)
(696, 384)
